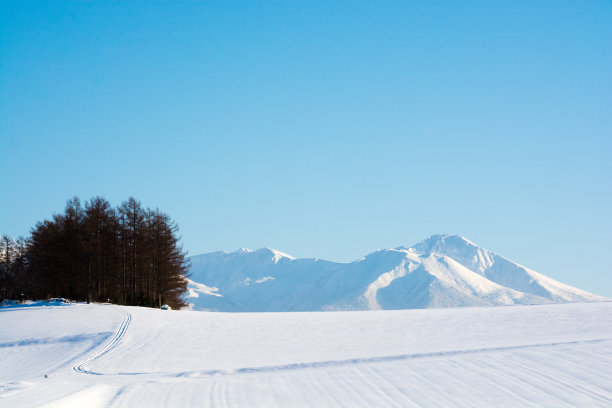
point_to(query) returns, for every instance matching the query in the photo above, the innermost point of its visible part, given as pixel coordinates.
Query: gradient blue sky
(325, 129)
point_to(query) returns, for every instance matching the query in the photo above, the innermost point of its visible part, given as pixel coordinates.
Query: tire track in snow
(127, 319)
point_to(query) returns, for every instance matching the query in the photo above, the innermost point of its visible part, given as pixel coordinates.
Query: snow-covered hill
(80, 355)
(441, 271)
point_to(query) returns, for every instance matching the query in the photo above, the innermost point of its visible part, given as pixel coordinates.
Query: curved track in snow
(127, 318)
(539, 356)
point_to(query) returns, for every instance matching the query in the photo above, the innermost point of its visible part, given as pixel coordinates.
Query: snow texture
(556, 355)
(441, 271)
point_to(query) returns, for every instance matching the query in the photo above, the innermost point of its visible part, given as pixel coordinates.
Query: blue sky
(322, 129)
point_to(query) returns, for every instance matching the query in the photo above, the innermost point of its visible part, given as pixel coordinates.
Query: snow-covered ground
(557, 355)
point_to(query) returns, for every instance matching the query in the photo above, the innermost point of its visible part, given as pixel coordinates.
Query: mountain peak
(443, 242)
(264, 252)
(276, 255)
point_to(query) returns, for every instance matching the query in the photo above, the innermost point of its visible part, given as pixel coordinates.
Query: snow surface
(196, 289)
(557, 355)
(441, 271)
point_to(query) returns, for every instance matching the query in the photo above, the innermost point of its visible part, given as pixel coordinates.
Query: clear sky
(322, 129)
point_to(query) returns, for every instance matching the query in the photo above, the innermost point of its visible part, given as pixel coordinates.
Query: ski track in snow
(127, 318)
(380, 359)
(335, 363)
(527, 356)
(500, 380)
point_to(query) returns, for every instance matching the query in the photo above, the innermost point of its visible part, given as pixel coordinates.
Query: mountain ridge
(441, 271)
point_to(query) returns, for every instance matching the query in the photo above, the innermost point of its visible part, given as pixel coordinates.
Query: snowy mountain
(441, 271)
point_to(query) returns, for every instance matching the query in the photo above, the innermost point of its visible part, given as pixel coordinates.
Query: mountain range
(440, 271)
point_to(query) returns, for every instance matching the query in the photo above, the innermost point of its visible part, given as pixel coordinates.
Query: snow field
(549, 355)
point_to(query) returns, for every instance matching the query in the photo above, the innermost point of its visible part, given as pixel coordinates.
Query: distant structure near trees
(96, 253)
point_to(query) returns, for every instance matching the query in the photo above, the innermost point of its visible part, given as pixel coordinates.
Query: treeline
(93, 252)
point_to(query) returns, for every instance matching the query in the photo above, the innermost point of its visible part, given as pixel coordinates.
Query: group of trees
(14, 269)
(94, 252)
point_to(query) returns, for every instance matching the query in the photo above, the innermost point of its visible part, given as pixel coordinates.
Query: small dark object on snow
(46, 376)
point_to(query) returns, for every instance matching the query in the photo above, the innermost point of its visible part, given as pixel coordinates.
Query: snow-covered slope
(557, 355)
(441, 271)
